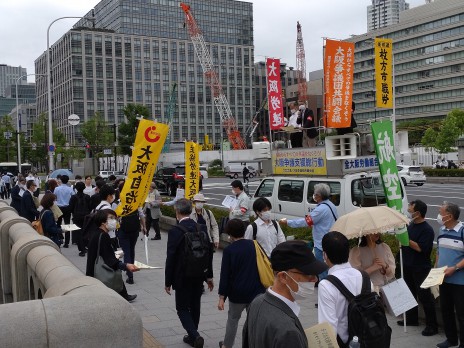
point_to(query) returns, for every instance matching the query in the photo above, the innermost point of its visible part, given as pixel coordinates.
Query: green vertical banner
(382, 133)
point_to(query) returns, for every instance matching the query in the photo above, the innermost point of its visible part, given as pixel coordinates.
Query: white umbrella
(370, 220)
(146, 247)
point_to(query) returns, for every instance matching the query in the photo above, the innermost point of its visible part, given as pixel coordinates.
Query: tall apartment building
(383, 13)
(9, 75)
(138, 50)
(26, 93)
(288, 78)
(428, 48)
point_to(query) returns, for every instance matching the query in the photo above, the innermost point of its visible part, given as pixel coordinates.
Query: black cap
(296, 254)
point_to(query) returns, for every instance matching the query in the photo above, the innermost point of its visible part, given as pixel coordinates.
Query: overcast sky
(24, 23)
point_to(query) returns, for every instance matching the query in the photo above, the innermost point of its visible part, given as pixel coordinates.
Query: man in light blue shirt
(63, 196)
(320, 218)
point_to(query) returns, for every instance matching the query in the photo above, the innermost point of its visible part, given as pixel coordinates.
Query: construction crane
(301, 65)
(254, 123)
(169, 115)
(220, 100)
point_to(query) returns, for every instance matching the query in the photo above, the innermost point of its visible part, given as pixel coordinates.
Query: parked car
(411, 175)
(105, 174)
(168, 178)
(204, 172)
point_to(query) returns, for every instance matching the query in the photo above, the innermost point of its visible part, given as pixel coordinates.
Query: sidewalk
(163, 328)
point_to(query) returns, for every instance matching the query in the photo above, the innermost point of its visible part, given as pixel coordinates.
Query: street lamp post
(18, 125)
(50, 118)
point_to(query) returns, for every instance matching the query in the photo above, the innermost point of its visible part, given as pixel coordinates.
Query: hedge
(301, 233)
(444, 172)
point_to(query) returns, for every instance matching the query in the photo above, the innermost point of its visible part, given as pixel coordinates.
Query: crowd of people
(272, 313)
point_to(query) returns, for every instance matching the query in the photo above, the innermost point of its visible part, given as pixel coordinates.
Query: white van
(234, 171)
(291, 196)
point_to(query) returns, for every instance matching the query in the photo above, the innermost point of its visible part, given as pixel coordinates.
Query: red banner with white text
(274, 94)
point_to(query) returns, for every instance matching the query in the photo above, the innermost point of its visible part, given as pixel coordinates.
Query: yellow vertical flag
(383, 52)
(148, 144)
(192, 169)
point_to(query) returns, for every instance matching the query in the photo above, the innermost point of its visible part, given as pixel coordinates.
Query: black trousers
(188, 305)
(414, 279)
(127, 242)
(451, 300)
(296, 139)
(150, 222)
(66, 219)
(77, 235)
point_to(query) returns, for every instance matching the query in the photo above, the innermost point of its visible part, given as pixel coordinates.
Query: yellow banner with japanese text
(383, 73)
(192, 169)
(148, 144)
(300, 161)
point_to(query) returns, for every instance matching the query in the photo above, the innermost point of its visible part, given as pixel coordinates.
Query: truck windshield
(368, 192)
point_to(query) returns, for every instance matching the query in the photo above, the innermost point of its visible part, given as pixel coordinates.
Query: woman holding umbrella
(374, 257)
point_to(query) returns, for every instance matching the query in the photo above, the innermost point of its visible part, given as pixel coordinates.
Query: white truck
(354, 182)
(235, 171)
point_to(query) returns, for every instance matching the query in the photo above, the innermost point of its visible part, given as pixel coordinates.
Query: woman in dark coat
(106, 220)
(50, 228)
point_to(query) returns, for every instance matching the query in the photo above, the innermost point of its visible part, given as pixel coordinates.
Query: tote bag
(104, 273)
(266, 275)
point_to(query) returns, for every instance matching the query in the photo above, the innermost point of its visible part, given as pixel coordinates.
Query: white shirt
(266, 235)
(293, 119)
(293, 305)
(332, 305)
(89, 190)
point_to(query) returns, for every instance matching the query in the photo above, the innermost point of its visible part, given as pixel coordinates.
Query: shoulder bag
(266, 275)
(104, 273)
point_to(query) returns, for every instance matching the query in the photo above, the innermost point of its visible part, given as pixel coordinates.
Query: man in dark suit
(188, 289)
(28, 209)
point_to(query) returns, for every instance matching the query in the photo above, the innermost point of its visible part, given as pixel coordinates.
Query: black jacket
(309, 121)
(28, 209)
(16, 198)
(174, 270)
(106, 251)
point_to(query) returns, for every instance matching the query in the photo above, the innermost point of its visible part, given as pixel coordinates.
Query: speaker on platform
(340, 147)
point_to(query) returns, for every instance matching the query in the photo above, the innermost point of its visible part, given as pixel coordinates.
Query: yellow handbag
(266, 275)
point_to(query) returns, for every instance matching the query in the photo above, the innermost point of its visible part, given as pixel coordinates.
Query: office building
(428, 47)
(383, 13)
(137, 51)
(9, 75)
(27, 119)
(26, 93)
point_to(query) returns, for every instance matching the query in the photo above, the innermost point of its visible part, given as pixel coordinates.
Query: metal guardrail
(48, 302)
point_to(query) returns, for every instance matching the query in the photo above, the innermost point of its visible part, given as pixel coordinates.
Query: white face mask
(265, 215)
(111, 224)
(304, 289)
(440, 220)
(314, 197)
(199, 205)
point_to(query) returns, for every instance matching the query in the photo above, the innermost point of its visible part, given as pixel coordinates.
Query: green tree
(128, 130)
(7, 146)
(36, 152)
(429, 140)
(97, 132)
(416, 129)
(449, 133)
(458, 116)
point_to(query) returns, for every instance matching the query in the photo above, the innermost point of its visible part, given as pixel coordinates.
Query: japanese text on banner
(192, 169)
(383, 73)
(274, 92)
(338, 82)
(300, 161)
(149, 141)
(384, 148)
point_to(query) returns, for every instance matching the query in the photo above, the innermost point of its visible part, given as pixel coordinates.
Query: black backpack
(255, 228)
(366, 315)
(89, 226)
(82, 207)
(197, 249)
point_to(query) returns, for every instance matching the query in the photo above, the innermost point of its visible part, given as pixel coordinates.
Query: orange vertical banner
(338, 82)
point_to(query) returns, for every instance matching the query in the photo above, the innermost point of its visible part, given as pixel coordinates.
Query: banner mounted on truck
(274, 92)
(300, 161)
(338, 82)
(149, 141)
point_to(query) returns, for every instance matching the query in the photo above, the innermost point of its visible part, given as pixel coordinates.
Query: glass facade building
(138, 50)
(428, 47)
